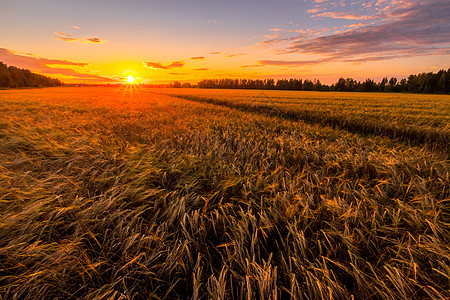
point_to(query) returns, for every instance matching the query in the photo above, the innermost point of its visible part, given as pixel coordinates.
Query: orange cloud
(198, 57)
(315, 10)
(342, 15)
(396, 29)
(64, 37)
(68, 38)
(291, 63)
(44, 66)
(235, 54)
(94, 40)
(172, 65)
(252, 66)
(408, 30)
(201, 69)
(273, 41)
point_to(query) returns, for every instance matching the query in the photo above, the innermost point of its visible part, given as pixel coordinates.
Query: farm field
(409, 117)
(135, 193)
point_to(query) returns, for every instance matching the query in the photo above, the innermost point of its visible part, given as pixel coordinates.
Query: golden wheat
(113, 194)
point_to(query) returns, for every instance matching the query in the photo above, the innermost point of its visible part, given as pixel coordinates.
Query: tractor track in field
(415, 135)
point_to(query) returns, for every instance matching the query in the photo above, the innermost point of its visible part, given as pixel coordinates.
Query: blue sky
(322, 39)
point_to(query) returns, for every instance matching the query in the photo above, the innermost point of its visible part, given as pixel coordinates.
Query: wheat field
(138, 193)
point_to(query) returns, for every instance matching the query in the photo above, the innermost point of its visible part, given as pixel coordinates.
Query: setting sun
(130, 79)
(225, 149)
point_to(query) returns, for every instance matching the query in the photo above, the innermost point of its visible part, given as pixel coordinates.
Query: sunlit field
(133, 193)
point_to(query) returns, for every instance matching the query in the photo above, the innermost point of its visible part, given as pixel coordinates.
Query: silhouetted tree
(421, 83)
(317, 85)
(175, 84)
(392, 85)
(13, 77)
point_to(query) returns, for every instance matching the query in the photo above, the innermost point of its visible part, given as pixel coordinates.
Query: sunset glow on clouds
(68, 38)
(174, 64)
(48, 66)
(403, 29)
(176, 40)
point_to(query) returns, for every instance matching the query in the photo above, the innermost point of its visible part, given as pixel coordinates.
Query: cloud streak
(172, 65)
(252, 66)
(289, 63)
(235, 54)
(343, 15)
(64, 37)
(94, 40)
(68, 38)
(45, 66)
(396, 29)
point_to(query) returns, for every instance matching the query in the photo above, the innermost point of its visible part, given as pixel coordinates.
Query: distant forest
(429, 83)
(12, 77)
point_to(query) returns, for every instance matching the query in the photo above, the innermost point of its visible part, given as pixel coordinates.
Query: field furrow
(432, 131)
(113, 194)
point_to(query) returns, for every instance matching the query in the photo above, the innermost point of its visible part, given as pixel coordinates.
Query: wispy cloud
(94, 40)
(392, 29)
(198, 57)
(417, 30)
(45, 66)
(61, 33)
(291, 63)
(172, 65)
(22, 60)
(68, 38)
(64, 37)
(315, 10)
(75, 27)
(252, 66)
(343, 15)
(215, 53)
(201, 69)
(355, 25)
(371, 58)
(235, 54)
(274, 40)
(179, 74)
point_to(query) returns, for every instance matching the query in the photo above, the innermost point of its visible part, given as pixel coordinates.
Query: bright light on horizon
(130, 79)
(320, 41)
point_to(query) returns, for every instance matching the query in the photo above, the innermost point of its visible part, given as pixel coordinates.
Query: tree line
(13, 77)
(430, 83)
(264, 84)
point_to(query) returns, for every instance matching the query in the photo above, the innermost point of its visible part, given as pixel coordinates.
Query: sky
(161, 41)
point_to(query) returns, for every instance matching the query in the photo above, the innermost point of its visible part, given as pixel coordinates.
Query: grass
(417, 119)
(137, 194)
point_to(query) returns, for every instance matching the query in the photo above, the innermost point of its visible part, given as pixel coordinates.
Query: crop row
(112, 196)
(395, 125)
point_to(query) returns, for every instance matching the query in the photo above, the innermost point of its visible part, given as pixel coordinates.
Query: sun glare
(130, 79)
